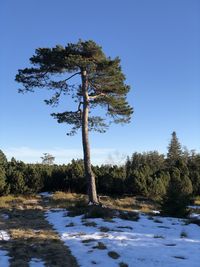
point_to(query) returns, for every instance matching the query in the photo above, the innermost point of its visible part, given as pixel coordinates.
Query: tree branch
(72, 76)
(79, 107)
(96, 96)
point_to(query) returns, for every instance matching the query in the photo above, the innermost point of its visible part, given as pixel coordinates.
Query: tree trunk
(92, 194)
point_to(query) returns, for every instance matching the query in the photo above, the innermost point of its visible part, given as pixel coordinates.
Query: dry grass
(67, 200)
(197, 200)
(128, 204)
(31, 235)
(71, 200)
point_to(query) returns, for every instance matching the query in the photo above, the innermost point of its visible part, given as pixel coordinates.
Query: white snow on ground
(194, 207)
(4, 259)
(155, 212)
(148, 242)
(4, 236)
(195, 216)
(36, 263)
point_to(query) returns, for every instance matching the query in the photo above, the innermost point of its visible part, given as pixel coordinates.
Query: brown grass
(31, 235)
(128, 204)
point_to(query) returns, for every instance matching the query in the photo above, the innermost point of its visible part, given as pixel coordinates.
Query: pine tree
(174, 150)
(102, 83)
(47, 159)
(2, 180)
(178, 194)
(3, 159)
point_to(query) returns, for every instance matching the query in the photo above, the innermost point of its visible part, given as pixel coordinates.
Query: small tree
(48, 159)
(101, 84)
(178, 195)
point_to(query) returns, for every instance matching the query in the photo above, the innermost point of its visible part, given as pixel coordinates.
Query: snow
(45, 194)
(4, 259)
(195, 216)
(194, 207)
(4, 236)
(155, 212)
(36, 263)
(150, 241)
(5, 216)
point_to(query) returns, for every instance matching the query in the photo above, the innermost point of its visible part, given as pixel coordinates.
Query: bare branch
(79, 107)
(72, 76)
(96, 96)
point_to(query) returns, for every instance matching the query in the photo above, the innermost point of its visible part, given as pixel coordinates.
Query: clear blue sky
(158, 42)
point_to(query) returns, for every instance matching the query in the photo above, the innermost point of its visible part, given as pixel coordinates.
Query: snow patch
(4, 236)
(194, 207)
(139, 243)
(195, 216)
(5, 216)
(45, 194)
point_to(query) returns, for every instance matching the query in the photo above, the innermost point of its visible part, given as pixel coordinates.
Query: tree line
(149, 174)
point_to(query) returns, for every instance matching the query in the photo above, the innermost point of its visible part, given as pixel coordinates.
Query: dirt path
(31, 236)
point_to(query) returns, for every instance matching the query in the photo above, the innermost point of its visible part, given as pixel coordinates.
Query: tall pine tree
(174, 150)
(101, 83)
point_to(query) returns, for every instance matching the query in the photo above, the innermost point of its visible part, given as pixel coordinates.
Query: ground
(48, 230)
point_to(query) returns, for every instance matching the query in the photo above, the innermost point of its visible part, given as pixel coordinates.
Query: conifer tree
(47, 159)
(178, 195)
(2, 180)
(174, 150)
(3, 159)
(102, 83)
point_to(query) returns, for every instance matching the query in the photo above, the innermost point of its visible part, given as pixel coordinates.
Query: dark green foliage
(106, 85)
(16, 181)
(3, 159)
(178, 195)
(180, 189)
(194, 172)
(144, 174)
(75, 177)
(2, 180)
(110, 179)
(143, 171)
(33, 179)
(158, 185)
(174, 150)
(3, 165)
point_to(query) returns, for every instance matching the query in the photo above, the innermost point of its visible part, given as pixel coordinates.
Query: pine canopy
(106, 83)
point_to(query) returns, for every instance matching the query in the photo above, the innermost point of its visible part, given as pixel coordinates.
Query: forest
(148, 174)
